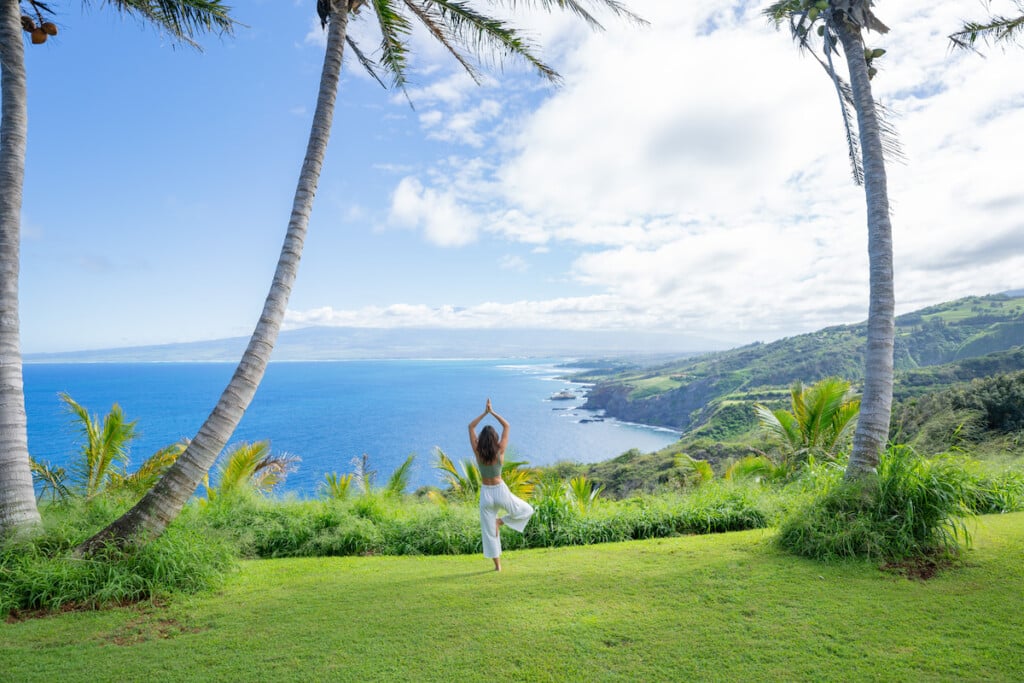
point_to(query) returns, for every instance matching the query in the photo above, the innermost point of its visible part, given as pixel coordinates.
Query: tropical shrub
(42, 573)
(914, 507)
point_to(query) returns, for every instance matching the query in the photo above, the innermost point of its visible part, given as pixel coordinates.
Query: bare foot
(497, 565)
(497, 527)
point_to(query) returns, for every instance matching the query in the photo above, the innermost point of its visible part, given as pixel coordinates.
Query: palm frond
(575, 7)
(456, 481)
(433, 20)
(482, 32)
(239, 464)
(146, 476)
(399, 479)
(395, 28)
(756, 467)
(105, 443)
(51, 479)
(362, 475)
(995, 29)
(520, 480)
(583, 493)
(802, 18)
(368, 64)
(182, 20)
(336, 486)
(694, 472)
(272, 470)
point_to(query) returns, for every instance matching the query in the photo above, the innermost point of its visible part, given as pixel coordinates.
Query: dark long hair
(487, 445)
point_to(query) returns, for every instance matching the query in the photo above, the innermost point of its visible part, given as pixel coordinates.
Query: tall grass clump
(913, 508)
(43, 573)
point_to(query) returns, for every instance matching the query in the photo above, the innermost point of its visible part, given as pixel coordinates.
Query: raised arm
(474, 423)
(504, 429)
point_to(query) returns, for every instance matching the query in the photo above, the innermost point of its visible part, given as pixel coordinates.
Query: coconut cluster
(39, 33)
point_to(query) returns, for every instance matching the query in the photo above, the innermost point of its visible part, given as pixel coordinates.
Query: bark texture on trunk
(163, 502)
(872, 432)
(17, 496)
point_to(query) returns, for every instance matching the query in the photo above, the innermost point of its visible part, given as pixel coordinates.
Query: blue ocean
(328, 413)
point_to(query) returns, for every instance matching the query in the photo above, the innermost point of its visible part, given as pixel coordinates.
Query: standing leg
(489, 529)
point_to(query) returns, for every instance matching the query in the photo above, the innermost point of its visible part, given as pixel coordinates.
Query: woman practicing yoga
(494, 493)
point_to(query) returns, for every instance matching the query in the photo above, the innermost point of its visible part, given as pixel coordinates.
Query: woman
(494, 493)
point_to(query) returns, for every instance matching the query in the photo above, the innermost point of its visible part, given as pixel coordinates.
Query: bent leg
(519, 511)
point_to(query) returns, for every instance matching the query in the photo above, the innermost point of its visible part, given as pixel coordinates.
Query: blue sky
(688, 177)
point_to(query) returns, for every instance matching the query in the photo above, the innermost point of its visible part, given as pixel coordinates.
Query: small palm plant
(335, 486)
(250, 467)
(582, 492)
(105, 445)
(693, 472)
(103, 458)
(758, 468)
(464, 481)
(399, 479)
(362, 475)
(819, 423)
(464, 484)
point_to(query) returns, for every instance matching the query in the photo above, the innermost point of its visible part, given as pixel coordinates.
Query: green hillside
(935, 347)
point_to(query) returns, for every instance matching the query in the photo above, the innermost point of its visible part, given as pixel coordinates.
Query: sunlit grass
(726, 607)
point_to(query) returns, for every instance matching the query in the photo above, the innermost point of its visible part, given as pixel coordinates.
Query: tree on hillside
(182, 20)
(463, 31)
(995, 29)
(841, 23)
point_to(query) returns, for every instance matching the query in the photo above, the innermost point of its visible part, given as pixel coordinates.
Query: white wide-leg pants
(495, 497)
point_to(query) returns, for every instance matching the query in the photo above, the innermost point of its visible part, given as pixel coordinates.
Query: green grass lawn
(723, 607)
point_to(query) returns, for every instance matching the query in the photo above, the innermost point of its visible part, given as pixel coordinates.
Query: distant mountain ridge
(349, 343)
(688, 393)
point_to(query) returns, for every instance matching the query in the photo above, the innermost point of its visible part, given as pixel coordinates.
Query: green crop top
(489, 471)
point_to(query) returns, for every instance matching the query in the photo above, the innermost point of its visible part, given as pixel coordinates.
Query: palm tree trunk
(17, 497)
(163, 502)
(876, 403)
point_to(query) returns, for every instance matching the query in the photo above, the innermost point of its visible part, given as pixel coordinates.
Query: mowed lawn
(727, 607)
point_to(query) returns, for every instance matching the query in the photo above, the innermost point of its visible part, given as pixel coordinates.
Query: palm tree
(102, 464)
(818, 423)
(453, 23)
(842, 23)
(995, 29)
(182, 20)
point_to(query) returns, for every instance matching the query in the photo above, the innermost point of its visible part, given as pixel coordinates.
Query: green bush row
(388, 526)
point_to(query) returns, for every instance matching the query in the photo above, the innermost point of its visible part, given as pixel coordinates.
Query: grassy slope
(725, 607)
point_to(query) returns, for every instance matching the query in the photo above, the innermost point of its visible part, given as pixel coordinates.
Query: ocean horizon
(329, 412)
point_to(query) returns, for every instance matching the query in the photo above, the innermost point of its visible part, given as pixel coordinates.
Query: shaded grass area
(723, 607)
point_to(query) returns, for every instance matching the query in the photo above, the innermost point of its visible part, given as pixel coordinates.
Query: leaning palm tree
(840, 24)
(459, 27)
(182, 21)
(993, 30)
